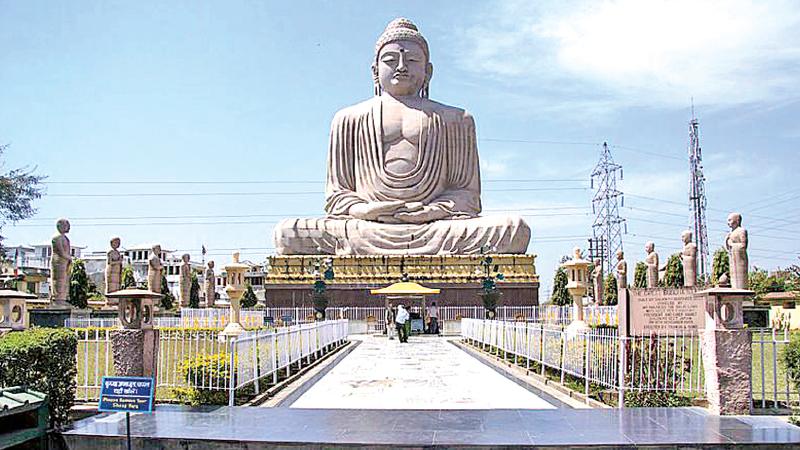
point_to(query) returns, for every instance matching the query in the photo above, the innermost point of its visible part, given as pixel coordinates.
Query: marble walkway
(426, 373)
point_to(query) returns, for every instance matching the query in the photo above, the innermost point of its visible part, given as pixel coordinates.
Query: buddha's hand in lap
(377, 211)
(425, 214)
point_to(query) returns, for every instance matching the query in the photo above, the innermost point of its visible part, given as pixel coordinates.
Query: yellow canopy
(405, 288)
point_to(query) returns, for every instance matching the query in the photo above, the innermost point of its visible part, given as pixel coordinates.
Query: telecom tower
(697, 198)
(608, 226)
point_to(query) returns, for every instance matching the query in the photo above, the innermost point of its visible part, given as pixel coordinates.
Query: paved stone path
(426, 373)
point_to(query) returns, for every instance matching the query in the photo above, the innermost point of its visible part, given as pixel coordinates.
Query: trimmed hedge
(42, 359)
(205, 370)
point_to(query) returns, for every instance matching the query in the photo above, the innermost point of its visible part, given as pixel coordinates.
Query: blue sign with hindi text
(126, 394)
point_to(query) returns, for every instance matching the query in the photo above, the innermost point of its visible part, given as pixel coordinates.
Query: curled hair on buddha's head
(400, 29)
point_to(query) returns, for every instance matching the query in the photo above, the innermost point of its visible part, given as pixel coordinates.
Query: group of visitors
(399, 320)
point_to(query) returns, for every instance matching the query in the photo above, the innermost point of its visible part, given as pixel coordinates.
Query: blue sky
(220, 92)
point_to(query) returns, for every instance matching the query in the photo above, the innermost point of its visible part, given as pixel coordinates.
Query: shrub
(610, 295)
(128, 280)
(720, 265)
(249, 298)
(168, 300)
(78, 285)
(673, 276)
(194, 292)
(640, 275)
(42, 359)
(663, 358)
(560, 295)
(791, 358)
(205, 370)
(655, 399)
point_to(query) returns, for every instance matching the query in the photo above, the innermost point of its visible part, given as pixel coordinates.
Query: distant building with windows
(30, 266)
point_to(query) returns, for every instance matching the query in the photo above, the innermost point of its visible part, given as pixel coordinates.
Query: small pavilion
(406, 292)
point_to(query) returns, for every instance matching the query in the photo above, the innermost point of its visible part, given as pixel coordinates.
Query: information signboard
(665, 311)
(126, 394)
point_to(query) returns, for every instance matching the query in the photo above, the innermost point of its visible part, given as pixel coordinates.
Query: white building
(32, 264)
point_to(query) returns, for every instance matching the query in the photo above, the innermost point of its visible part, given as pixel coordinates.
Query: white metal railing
(200, 359)
(651, 363)
(772, 384)
(219, 317)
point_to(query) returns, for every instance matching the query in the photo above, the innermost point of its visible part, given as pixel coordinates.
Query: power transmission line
(697, 199)
(608, 225)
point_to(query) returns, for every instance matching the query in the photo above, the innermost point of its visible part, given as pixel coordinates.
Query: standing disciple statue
(210, 282)
(597, 281)
(113, 269)
(689, 259)
(403, 173)
(185, 280)
(622, 271)
(155, 270)
(736, 244)
(60, 263)
(652, 265)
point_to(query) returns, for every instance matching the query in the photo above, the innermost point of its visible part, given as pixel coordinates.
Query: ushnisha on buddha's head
(402, 66)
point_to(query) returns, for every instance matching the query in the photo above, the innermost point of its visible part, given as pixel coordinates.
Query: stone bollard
(135, 346)
(727, 352)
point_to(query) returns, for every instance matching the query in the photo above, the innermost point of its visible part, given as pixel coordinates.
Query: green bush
(640, 275)
(673, 276)
(249, 298)
(42, 359)
(78, 285)
(655, 399)
(791, 358)
(208, 370)
(610, 291)
(720, 265)
(560, 295)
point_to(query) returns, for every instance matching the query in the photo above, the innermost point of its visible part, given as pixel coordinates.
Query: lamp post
(578, 274)
(234, 274)
(135, 346)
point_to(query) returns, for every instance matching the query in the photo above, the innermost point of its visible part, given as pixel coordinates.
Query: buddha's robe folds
(446, 176)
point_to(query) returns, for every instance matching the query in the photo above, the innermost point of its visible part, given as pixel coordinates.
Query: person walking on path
(389, 321)
(433, 314)
(400, 322)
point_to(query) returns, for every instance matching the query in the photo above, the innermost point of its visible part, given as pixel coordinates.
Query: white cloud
(643, 53)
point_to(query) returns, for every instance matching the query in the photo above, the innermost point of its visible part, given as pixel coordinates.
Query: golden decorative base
(351, 270)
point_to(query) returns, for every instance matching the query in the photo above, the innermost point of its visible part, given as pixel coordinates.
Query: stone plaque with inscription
(665, 311)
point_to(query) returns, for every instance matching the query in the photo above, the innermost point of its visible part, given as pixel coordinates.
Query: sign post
(126, 394)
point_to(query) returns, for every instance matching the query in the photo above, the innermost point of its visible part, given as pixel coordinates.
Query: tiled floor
(426, 373)
(173, 427)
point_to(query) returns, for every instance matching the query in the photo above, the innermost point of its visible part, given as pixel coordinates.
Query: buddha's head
(734, 220)
(686, 236)
(402, 64)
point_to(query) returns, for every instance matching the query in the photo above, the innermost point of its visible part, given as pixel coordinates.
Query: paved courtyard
(426, 373)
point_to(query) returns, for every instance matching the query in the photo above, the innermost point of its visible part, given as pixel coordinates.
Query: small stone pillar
(578, 274)
(727, 352)
(135, 346)
(13, 309)
(234, 272)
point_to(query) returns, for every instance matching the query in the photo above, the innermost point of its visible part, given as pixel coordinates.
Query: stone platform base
(289, 279)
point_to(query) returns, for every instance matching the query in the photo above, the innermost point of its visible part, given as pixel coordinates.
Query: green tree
(78, 285)
(128, 280)
(18, 189)
(640, 275)
(673, 277)
(560, 295)
(610, 287)
(720, 265)
(168, 300)
(249, 298)
(194, 292)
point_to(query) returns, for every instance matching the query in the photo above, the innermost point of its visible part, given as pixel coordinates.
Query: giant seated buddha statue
(403, 173)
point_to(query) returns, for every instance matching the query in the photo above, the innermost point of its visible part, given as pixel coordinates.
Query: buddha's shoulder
(452, 113)
(357, 110)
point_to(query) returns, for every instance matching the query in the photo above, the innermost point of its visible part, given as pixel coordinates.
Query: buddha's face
(403, 68)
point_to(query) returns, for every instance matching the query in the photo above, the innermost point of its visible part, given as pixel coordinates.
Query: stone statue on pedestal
(155, 270)
(185, 280)
(689, 259)
(622, 271)
(113, 267)
(736, 244)
(597, 281)
(210, 284)
(652, 265)
(403, 173)
(60, 263)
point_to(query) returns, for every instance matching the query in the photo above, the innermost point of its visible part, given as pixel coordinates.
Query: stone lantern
(12, 309)
(135, 308)
(578, 274)
(234, 274)
(135, 346)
